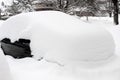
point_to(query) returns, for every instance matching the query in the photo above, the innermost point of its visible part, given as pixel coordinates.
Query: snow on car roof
(58, 35)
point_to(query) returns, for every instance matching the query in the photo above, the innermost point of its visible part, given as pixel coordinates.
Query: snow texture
(72, 49)
(4, 68)
(61, 37)
(30, 69)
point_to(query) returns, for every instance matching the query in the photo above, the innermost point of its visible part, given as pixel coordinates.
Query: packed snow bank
(4, 68)
(60, 37)
(30, 69)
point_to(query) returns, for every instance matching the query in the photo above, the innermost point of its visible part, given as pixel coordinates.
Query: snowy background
(58, 66)
(31, 69)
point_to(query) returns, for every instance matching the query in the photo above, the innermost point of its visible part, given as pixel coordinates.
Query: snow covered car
(78, 50)
(56, 32)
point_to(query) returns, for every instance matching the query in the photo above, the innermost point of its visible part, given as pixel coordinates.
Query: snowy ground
(31, 69)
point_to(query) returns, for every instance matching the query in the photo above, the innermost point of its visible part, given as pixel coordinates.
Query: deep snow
(4, 68)
(57, 35)
(31, 69)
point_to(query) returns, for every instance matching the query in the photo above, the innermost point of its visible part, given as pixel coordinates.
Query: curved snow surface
(4, 68)
(31, 69)
(67, 44)
(60, 37)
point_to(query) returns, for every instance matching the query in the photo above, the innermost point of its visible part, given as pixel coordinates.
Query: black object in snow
(18, 49)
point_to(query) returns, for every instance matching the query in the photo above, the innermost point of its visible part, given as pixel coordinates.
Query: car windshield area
(17, 49)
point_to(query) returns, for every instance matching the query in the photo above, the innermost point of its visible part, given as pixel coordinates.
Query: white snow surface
(31, 69)
(56, 35)
(52, 67)
(4, 68)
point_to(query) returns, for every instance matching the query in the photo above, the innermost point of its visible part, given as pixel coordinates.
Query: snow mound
(65, 39)
(60, 37)
(4, 68)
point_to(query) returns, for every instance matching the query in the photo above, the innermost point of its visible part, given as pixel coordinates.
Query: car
(54, 34)
(74, 49)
